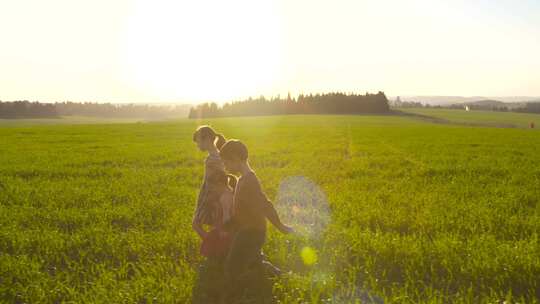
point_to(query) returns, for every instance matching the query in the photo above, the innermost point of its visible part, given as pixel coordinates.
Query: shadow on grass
(210, 284)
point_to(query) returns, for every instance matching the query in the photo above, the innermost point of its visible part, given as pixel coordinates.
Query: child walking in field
(214, 207)
(251, 208)
(208, 210)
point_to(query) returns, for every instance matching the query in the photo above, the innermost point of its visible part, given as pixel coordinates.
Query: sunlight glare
(226, 49)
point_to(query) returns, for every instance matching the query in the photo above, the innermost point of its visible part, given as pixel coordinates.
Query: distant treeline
(409, 104)
(531, 107)
(527, 107)
(27, 109)
(476, 107)
(331, 103)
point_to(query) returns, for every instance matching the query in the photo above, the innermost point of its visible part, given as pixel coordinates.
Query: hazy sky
(182, 51)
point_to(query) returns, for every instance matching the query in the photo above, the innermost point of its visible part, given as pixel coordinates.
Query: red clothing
(216, 243)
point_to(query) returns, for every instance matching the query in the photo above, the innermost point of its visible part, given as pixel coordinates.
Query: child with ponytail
(208, 210)
(214, 207)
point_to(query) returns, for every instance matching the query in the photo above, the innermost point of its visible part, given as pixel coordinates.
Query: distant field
(487, 118)
(420, 212)
(69, 120)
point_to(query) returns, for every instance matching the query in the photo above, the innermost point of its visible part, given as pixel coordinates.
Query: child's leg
(216, 280)
(245, 249)
(270, 268)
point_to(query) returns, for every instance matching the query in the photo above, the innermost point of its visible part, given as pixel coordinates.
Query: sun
(203, 50)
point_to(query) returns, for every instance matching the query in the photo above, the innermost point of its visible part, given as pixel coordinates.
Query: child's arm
(229, 225)
(272, 215)
(198, 228)
(268, 209)
(196, 224)
(228, 221)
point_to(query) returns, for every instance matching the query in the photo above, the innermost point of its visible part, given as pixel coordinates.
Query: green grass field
(420, 212)
(480, 118)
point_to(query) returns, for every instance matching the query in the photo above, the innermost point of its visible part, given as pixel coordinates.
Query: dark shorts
(245, 250)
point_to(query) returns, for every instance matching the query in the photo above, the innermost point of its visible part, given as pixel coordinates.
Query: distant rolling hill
(486, 103)
(449, 100)
(490, 103)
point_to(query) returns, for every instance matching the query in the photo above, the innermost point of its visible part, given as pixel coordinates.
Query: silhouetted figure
(214, 206)
(244, 265)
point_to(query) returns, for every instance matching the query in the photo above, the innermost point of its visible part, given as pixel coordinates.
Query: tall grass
(419, 212)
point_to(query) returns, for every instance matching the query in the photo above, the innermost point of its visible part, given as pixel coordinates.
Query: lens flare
(309, 256)
(302, 204)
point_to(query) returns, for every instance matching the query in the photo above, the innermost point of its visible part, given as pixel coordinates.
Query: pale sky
(189, 51)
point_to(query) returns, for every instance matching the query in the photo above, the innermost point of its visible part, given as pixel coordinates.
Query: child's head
(234, 153)
(206, 137)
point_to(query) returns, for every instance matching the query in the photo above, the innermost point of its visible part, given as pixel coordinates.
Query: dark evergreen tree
(330, 103)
